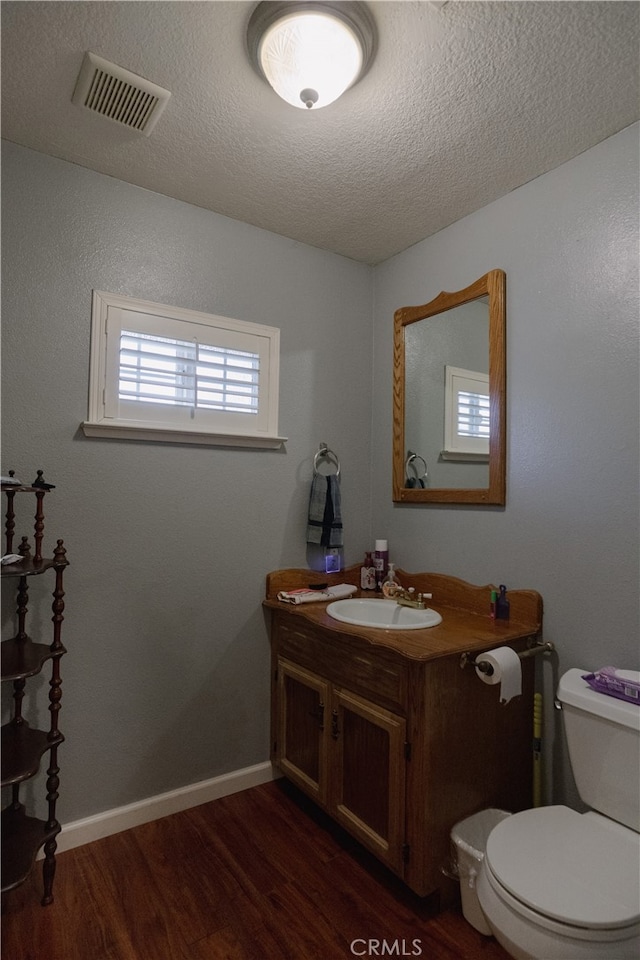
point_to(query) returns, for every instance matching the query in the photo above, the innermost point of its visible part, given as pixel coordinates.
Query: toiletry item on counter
(493, 604)
(391, 587)
(368, 573)
(304, 595)
(381, 562)
(502, 604)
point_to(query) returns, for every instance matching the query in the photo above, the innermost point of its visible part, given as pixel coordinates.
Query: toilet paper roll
(507, 671)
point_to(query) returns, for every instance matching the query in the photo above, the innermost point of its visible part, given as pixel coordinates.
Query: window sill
(167, 434)
(461, 456)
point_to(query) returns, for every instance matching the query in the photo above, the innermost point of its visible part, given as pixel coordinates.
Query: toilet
(556, 884)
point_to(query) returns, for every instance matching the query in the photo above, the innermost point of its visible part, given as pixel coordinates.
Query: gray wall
(166, 681)
(568, 242)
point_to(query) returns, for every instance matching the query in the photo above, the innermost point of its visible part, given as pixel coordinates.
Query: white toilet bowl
(559, 885)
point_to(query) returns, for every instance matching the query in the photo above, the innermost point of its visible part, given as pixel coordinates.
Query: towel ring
(417, 481)
(324, 453)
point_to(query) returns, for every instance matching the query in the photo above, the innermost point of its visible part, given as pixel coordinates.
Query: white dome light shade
(310, 59)
(311, 51)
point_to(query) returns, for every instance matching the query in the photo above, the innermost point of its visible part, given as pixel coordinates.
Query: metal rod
(545, 647)
(484, 667)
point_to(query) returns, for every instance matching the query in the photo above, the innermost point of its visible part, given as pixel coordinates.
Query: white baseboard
(100, 825)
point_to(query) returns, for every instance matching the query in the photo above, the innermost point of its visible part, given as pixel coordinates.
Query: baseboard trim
(79, 832)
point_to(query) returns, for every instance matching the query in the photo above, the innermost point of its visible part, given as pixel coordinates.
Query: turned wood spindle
(22, 601)
(39, 526)
(10, 524)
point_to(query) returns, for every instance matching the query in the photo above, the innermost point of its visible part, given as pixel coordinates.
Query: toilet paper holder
(467, 659)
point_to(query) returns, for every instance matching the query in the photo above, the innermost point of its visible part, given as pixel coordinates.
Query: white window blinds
(467, 414)
(187, 373)
(473, 414)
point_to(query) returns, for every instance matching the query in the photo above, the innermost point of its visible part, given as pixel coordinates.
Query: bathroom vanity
(387, 731)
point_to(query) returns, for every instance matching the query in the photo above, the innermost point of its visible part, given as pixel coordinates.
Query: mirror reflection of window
(466, 414)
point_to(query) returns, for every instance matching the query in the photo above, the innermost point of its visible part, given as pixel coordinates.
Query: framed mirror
(449, 397)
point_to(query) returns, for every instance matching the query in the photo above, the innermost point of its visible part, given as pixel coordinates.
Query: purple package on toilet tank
(616, 683)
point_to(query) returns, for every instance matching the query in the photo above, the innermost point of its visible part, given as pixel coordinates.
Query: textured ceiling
(464, 102)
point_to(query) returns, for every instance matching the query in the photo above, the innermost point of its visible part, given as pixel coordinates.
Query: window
(165, 373)
(466, 415)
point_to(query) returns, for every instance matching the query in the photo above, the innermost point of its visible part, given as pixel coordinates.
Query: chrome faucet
(409, 598)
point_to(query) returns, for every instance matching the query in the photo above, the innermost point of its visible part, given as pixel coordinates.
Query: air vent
(117, 94)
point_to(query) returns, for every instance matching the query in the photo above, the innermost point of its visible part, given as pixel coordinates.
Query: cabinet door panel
(365, 764)
(301, 751)
(369, 774)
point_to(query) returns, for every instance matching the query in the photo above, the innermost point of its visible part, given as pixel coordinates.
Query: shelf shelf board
(22, 837)
(28, 567)
(25, 658)
(22, 750)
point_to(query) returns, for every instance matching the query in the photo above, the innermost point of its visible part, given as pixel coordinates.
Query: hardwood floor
(259, 875)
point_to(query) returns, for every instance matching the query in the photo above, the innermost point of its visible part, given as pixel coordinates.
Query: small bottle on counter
(368, 573)
(381, 562)
(502, 604)
(493, 604)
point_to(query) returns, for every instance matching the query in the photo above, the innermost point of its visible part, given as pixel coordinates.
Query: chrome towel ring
(324, 453)
(410, 463)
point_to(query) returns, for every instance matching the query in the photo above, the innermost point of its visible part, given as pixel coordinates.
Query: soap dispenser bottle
(391, 586)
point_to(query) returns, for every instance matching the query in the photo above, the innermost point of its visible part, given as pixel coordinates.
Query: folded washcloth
(310, 596)
(325, 515)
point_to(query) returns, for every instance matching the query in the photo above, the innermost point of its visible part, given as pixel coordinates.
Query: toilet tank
(603, 736)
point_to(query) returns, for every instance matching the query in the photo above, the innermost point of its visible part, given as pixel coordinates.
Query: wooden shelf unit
(24, 747)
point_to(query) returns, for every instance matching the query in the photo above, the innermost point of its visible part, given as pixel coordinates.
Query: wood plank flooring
(259, 875)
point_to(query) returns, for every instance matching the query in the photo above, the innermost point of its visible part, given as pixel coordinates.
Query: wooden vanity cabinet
(386, 731)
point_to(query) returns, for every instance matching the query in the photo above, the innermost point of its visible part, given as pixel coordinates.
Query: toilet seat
(579, 871)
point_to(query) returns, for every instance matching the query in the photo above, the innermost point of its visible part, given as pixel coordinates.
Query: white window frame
(111, 416)
(456, 445)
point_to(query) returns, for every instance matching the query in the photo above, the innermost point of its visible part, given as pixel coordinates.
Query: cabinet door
(301, 751)
(368, 774)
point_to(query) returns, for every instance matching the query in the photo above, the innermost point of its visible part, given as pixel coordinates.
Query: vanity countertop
(466, 625)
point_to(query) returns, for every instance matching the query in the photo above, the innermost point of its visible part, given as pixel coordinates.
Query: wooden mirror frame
(493, 286)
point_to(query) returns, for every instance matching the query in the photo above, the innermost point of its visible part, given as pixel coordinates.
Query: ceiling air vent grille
(117, 94)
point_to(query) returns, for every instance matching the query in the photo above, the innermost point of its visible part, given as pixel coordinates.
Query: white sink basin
(383, 614)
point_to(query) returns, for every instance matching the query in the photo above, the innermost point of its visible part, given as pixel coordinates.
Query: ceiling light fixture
(310, 53)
